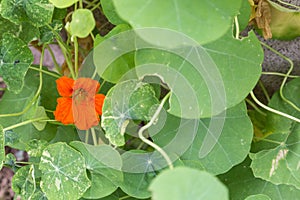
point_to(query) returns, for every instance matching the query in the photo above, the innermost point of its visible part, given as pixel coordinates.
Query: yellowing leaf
(261, 16)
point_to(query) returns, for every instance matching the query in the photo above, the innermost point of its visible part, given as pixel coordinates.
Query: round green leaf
(40, 113)
(125, 101)
(37, 12)
(104, 164)
(244, 15)
(22, 135)
(241, 184)
(9, 8)
(26, 31)
(23, 182)
(186, 138)
(258, 197)
(204, 80)
(138, 173)
(82, 23)
(15, 59)
(65, 134)
(279, 162)
(63, 172)
(186, 183)
(204, 21)
(64, 3)
(122, 64)
(110, 12)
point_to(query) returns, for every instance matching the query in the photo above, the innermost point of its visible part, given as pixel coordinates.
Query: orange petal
(63, 112)
(89, 85)
(85, 115)
(65, 86)
(99, 100)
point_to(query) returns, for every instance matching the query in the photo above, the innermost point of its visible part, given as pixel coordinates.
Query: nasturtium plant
(63, 172)
(37, 12)
(82, 23)
(24, 182)
(15, 59)
(186, 183)
(130, 100)
(104, 165)
(258, 197)
(237, 130)
(63, 4)
(279, 163)
(242, 183)
(193, 18)
(177, 117)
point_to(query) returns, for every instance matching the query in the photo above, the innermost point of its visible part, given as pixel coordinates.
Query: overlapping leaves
(104, 165)
(63, 172)
(242, 183)
(182, 180)
(15, 59)
(127, 100)
(204, 21)
(203, 80)
(185, 138)
(276, 157)
(25, 108)
(37, 12)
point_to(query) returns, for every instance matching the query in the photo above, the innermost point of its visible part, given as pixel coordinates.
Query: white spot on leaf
(46, 154)
(298, 165)
(57, 183)
(275, 162)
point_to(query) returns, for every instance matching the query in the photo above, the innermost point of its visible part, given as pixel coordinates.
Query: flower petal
(63, 112)
(65, 86)
(99, 100)
(88, 85)
(85, 115)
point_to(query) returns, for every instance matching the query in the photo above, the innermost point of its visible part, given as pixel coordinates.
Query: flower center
(80, 95)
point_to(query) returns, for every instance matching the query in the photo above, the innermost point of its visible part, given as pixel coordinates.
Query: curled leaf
(261, 16)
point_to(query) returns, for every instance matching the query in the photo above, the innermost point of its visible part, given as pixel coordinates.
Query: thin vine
(285, 77)
(151, 122)
(37, 94)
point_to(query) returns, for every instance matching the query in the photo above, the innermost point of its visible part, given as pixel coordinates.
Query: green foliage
(82, 23)
(15, 59)
(130, 100)
(178, 136)
(63, 172)
(137, 181)
(175, 75)
(20, 102)
(193, 18)
(119, 67)
(220, 56)
(24, 182)
(279, 163)
(258, 197)
(178, 183)
(63, 4)
(110, 12)
(242, 183)
(37, 12)
(104, 165)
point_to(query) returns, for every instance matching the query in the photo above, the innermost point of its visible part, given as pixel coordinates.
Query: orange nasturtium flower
(79, 104)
